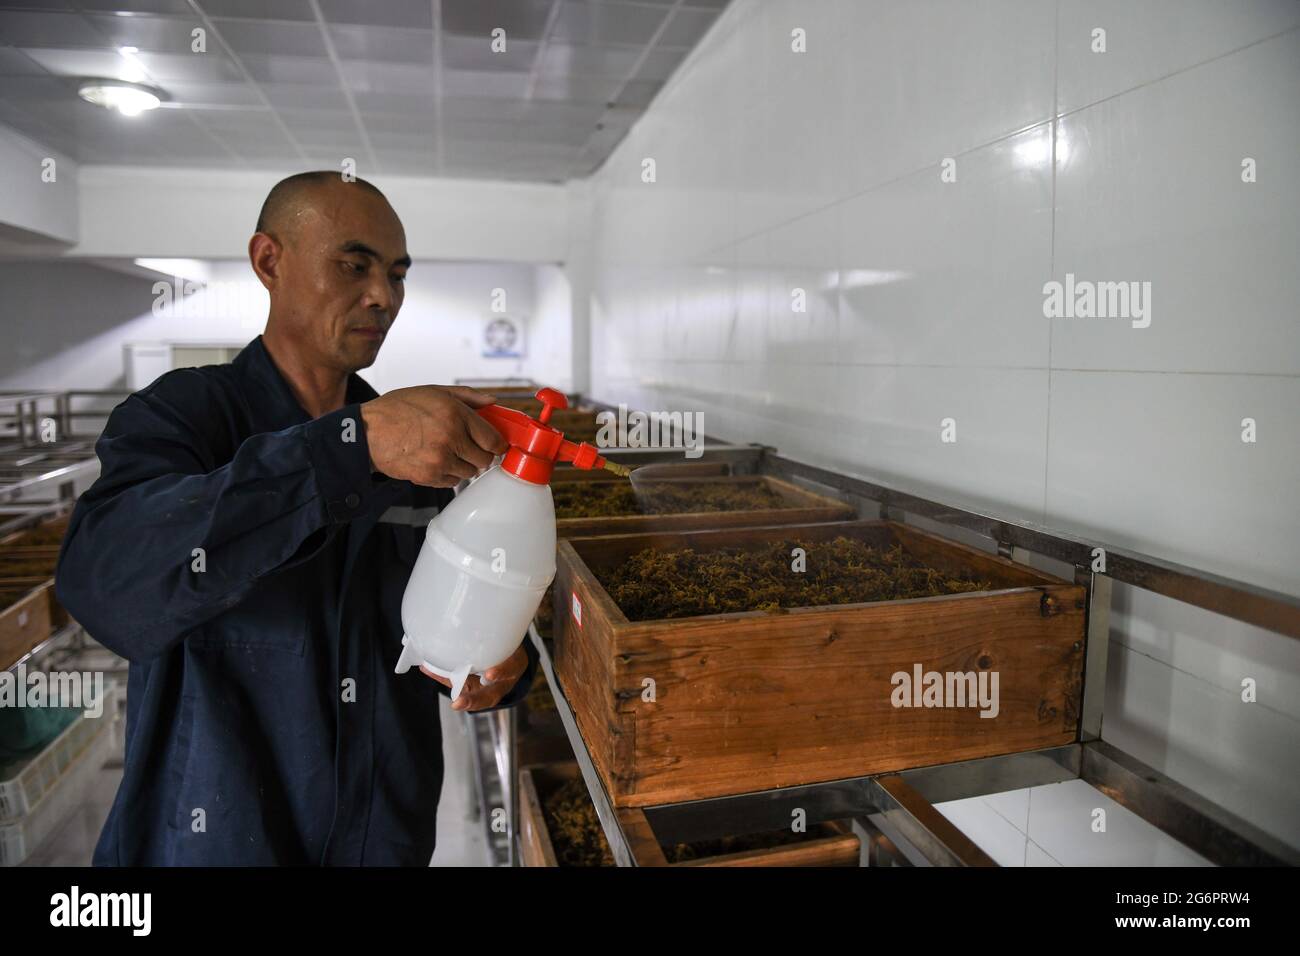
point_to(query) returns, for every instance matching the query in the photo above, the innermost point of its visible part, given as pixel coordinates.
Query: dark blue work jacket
(265, 724)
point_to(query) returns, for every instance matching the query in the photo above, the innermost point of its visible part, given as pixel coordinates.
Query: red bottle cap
(535, 446)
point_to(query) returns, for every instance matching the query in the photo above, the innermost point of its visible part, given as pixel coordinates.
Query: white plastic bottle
(486, 563)
(489, 557)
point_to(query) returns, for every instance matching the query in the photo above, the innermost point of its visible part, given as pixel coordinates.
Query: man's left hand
(476, 695)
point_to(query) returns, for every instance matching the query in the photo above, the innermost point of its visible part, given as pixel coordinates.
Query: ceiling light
(129, 99)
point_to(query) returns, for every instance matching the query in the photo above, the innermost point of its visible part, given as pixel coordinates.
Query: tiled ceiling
(405, 87)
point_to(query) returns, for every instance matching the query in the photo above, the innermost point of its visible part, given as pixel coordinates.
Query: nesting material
(609, 499)
(654, 584)
(574, 828)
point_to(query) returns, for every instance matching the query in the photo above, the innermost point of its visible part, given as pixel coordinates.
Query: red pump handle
(551, 399)
(535, 446)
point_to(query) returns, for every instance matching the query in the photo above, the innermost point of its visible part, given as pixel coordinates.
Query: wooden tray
(754, 700)
(801, 507)
(828, 844)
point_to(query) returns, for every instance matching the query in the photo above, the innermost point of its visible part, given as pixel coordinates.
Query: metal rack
(34, 471)
(895, 812)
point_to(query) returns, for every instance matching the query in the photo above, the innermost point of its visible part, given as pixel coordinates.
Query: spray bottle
(489, 556)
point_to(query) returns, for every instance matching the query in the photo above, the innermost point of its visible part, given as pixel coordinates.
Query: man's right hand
(430, 434)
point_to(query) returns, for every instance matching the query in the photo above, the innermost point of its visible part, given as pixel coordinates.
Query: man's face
(340, 277)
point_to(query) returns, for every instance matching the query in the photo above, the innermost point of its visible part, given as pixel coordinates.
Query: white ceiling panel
(210, 67)
(520, 19)
(513, 86)
(577, 89)
(381, 13)
(597, 24)
(566, 58)
(476, 53)
(159, 34)
(367, 76)
(387, 44)
(213, 95)
(687, 26)
(177, 7)
(302, 96)
(260, 37)
(313, 71)
(400, 85)
(260, 9)
(75, 63)
(25, 28)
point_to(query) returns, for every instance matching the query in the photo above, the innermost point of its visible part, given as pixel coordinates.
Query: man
(246, 547)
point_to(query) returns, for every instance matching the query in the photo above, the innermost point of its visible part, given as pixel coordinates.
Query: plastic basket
(26, 783)
(18, 838)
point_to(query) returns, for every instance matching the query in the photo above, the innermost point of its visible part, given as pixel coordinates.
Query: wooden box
(828, 844)
(755, 700)
(800, 507)
(25, 622)
(28, 559)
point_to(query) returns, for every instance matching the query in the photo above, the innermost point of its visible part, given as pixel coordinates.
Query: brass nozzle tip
(621, 470)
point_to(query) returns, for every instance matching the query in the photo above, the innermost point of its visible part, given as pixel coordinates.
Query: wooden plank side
(25, 623)
(534, 840)
(583, 657)
(640, 837)
(837, 850)
(806, 696)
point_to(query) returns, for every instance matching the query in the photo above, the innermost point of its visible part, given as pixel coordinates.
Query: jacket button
(352, 500)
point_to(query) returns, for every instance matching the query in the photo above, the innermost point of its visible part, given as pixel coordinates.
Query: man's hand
(430, 434)
(478, 696)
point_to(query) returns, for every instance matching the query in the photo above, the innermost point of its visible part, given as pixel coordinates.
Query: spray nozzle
(535, 446)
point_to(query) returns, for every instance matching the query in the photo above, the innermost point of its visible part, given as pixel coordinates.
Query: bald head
(291, 197)
(332, 254)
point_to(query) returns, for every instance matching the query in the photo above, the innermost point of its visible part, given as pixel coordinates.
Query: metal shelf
(492, 784)
(896, 811)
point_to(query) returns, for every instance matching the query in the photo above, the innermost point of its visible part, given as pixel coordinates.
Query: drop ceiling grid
(293, 82)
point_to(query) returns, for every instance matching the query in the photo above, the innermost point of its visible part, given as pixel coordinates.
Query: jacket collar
(271, 395)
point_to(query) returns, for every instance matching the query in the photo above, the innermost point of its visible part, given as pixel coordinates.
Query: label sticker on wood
(23, 615)
(577, 609)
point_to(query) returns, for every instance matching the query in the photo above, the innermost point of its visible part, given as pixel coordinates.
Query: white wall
(68, 321)
(439, 332)
(209, 214)
(551, 359)
(821, 171)
(39, 204)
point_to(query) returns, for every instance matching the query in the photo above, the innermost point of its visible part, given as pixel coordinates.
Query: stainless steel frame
(895, 812)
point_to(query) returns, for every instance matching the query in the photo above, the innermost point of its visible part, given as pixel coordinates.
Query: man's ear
(264, 254)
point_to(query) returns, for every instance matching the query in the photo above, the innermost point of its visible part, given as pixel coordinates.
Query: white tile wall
(821, 171)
